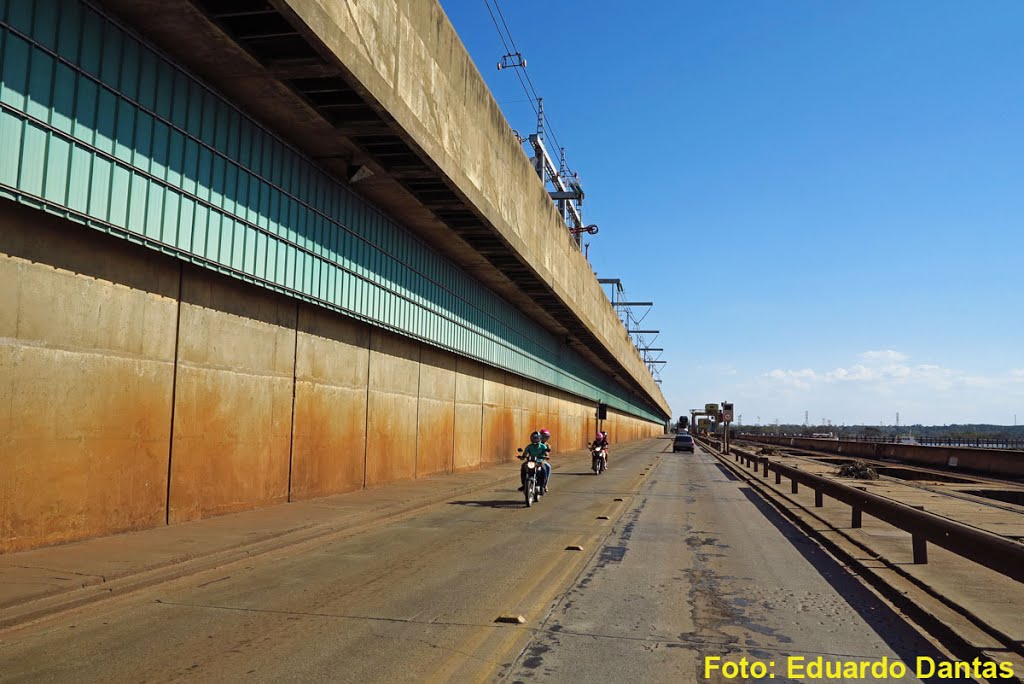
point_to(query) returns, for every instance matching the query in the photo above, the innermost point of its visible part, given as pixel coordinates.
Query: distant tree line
(968, 431)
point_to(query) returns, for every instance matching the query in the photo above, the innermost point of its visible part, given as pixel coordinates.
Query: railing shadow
(879, 616)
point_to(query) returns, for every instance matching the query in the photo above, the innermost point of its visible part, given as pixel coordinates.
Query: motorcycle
(598, 462)
(532, 488)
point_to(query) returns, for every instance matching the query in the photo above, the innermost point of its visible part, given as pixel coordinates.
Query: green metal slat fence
(96, 125)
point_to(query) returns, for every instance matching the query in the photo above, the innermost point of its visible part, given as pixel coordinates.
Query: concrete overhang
(384, 96)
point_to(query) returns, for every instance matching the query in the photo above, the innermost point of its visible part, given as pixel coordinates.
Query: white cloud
(800, 379)
(717, 368)
(885, 355)
(874, 385)
(888, 368)
(886, 371)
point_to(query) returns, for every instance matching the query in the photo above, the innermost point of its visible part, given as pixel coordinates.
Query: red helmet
(545, 433)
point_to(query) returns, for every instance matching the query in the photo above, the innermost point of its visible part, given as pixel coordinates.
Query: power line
(515, 47)
(531, 91)
(501, 35)
(498, 7)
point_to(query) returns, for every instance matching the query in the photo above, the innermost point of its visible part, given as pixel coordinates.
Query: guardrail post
(855, 521)
(920, 550)
(778, 477)
(795, 487)
(920, 545)
(766, 466)
(818, 499)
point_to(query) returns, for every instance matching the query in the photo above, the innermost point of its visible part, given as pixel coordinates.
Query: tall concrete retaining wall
(408, 57)
(137, 390)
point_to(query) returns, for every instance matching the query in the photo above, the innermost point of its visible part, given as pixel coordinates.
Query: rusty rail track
(998, 553)
(934, 483)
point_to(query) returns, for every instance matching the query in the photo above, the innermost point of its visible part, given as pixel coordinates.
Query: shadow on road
(494, 503)
(882, 619)
(728, 473)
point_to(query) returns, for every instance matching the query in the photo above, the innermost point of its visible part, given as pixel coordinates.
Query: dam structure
(261, 251)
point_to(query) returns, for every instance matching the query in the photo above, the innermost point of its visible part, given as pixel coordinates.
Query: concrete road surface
(688, 567)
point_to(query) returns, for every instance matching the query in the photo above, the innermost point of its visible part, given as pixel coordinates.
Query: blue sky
(825, 200)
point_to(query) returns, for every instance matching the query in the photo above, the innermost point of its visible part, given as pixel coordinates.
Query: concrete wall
(136, 391)
(233, 397)
(332, 366)
(408, 57)
(87, 347)
(469, 415)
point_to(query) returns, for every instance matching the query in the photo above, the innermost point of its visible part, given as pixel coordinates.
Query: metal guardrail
(1003, 555)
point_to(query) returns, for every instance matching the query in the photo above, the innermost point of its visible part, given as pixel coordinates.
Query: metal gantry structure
(563, 184)
(566, 191)
(624, 308)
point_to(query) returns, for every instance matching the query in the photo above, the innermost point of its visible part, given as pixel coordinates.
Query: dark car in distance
(682, 442)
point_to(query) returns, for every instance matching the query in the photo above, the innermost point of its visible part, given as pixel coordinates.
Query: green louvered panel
(96, 124)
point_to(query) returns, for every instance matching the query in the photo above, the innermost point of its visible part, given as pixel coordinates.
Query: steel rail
(992, 551)
(968, 478)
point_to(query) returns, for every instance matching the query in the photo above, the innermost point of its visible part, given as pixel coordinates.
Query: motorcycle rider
(601, 442)
(538, 452)
(545, 437)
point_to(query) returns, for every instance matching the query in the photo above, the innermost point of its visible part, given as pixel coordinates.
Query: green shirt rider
(534, 451)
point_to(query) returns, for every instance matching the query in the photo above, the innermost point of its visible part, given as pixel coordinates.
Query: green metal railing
(101, 128)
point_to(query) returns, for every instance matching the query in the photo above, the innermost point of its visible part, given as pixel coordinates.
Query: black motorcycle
(532, 488)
